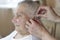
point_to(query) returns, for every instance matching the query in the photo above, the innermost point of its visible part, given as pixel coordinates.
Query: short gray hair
(30, 6)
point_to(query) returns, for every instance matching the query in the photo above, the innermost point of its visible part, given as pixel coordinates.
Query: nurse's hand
(38, 30)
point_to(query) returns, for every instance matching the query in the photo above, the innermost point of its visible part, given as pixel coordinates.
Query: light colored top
(28, 37)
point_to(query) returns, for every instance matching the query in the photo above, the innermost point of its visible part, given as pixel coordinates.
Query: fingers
(27, 24)
(32, 21)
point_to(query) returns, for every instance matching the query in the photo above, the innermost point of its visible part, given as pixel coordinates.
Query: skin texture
(37, 29)
(19, 20)
(24, 27)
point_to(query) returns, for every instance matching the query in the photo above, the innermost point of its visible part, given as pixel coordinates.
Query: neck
(19, 35)
(23, 34)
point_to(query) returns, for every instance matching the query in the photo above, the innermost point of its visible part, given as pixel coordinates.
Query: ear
(41, 10)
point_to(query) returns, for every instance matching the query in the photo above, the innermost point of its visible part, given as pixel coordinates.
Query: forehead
(19, 10)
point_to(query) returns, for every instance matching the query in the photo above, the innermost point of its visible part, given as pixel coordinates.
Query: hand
(36, 29)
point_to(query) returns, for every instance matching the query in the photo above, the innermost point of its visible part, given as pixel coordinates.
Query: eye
(19, 15)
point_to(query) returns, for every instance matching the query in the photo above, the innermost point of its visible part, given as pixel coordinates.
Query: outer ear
(41, 10)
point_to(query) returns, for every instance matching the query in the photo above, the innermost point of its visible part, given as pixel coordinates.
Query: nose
(14, 20)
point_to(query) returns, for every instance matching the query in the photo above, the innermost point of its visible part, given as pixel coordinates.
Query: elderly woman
(25, 11)
(31, 11)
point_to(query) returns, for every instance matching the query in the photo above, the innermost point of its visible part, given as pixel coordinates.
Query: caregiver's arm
(47, 36)
(38, 30)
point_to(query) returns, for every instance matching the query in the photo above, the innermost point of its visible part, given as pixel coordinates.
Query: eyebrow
(18, 13)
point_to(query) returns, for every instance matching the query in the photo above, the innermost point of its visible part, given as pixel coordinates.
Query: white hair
(30, 6)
